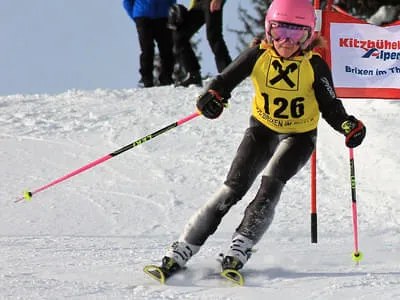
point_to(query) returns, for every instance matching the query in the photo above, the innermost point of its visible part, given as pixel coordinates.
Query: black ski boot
(145, 83)
(231, 262)
(191, 78)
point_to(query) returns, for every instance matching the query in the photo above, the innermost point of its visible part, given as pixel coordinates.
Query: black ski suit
(290, 95)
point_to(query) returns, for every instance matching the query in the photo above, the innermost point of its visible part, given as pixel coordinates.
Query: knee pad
(269, 191)
(260, 212)
(223, 200)
(206, 220)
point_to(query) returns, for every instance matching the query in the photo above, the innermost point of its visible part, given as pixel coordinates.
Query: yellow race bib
(285, 100)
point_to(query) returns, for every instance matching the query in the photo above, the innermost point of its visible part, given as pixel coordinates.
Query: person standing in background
(151, 18)
(201, 12)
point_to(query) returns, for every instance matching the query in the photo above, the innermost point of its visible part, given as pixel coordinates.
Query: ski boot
(174, 261)
(191, 78)
(239, 252)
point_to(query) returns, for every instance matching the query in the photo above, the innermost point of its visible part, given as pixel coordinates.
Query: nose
(287, 41)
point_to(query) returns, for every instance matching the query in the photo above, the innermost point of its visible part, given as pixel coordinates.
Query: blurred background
(53, 46)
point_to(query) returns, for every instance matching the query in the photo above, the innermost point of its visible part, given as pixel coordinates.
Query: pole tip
(27, 195)
(357, 256)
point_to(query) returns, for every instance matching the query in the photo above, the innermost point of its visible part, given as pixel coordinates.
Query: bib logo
(283, 77)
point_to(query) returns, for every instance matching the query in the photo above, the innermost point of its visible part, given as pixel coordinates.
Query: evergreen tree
(253, 23)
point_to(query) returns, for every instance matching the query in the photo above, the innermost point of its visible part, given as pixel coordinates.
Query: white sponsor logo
(328, 87)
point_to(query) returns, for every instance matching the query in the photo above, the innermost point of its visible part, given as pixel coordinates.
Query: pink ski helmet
(299, 12)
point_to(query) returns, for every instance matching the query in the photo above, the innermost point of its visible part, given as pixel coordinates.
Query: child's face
(286, 48)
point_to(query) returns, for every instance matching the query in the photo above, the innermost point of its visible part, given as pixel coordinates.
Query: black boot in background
(191, 78)
(145, 83)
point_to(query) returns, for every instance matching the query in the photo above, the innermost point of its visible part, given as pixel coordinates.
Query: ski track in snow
(90, 236)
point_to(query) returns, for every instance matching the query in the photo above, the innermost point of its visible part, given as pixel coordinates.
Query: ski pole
(314, 220)
(357, 255)
(28, 195)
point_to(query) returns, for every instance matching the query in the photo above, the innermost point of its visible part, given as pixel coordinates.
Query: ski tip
(155, 272)
(233, 275)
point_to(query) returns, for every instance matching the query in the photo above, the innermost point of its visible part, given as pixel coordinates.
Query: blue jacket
(148, 8)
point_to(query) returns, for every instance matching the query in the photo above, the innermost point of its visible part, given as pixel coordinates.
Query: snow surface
(90, 236)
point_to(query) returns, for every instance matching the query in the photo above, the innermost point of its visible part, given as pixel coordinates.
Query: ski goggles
(285, 31)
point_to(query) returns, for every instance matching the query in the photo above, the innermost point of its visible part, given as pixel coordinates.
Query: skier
(150, 17)
(293, 86)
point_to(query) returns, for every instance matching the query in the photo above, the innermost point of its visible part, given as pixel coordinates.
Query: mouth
(288, 47)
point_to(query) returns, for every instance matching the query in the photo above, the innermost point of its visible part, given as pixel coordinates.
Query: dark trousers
(197, 17)
(278, 155)
(150, 31)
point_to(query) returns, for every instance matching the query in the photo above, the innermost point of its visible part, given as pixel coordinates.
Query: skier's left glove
(354, 130)
(211, 104)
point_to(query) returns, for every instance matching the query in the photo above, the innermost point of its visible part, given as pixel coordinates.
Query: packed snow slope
(90, 236)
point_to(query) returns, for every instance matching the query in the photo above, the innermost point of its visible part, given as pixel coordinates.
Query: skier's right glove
(211, 104)
(354, 130)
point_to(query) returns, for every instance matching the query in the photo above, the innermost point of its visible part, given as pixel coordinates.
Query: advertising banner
(365, 55)
(364, 58)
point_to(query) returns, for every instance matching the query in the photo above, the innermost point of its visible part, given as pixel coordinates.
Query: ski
(230, 266)
(158, 273)
(233, 275)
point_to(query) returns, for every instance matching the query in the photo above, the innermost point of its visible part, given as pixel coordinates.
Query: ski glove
(211, 104)
(354, 130)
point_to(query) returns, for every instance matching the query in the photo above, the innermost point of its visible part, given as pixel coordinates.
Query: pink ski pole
(357, 255)
(28, 195)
